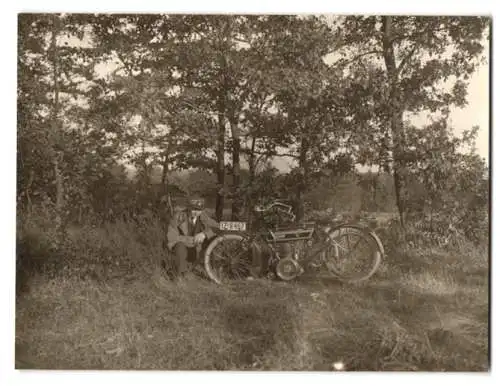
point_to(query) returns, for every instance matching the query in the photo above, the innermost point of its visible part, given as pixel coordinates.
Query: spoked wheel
(352, 254)
(231, 257)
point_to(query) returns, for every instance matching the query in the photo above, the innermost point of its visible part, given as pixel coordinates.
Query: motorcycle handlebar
(287, 209)
(259, 208)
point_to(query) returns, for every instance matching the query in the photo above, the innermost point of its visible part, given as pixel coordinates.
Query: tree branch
(400, 68)
(125, 64)
(240, 40)
(413, 36)
(259, 158)
(197, 109)
(344, 63)
(296, 156)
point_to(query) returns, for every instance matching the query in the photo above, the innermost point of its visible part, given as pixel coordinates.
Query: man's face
(195, 212)
(196, 203)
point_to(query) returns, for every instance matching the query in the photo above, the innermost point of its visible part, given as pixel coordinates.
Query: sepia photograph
(253, 192)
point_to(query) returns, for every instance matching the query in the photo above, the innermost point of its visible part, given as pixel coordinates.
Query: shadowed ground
(422, 311)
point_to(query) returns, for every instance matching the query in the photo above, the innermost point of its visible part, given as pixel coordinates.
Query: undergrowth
(98, 300)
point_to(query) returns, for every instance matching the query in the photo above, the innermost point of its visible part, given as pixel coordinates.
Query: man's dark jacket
(181, 230)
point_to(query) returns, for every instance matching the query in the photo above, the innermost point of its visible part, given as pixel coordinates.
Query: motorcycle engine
(292, 250)
(288, 267)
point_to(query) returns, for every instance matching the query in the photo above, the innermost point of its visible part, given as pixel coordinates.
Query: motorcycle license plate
(232, 226)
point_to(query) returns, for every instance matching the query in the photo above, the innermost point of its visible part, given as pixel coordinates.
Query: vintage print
(253, 192)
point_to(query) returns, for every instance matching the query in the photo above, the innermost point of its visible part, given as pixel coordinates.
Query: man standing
(188, 230)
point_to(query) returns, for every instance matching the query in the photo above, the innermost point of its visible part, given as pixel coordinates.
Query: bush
(127, 246)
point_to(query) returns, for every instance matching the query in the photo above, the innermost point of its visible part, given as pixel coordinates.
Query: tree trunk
(236, 196)
(164, 174)
(222, 106)
(221, 172)
(57, 153)
(27, 191)
(395, 114)
(146, 177)
(59, 218)
(301, 185)
(250, 197)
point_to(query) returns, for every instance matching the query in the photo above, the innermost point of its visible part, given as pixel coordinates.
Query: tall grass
(99, 301)
(125, 247)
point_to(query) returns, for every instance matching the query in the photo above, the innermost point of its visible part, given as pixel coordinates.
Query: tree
(134, 100)
(298, 102)
(423, 64)
(453, 180)
(49, 93)
(256, 80)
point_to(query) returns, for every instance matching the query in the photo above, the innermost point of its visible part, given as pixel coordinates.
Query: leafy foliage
(111, 106)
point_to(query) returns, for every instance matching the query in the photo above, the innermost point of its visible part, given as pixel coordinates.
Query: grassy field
(425, 310)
